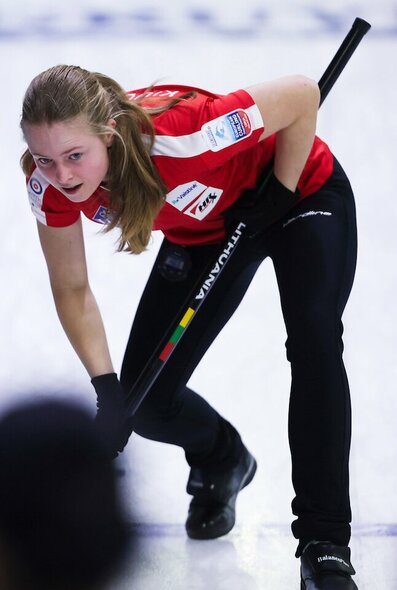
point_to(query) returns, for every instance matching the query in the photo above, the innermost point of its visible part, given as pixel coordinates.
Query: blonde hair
(137, 191)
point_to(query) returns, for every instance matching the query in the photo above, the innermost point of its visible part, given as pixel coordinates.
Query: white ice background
(245, 374)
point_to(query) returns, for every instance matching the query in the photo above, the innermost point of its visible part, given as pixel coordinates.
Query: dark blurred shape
(62, 522)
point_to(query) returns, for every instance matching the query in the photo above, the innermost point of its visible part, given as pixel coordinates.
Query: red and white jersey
(207, 152)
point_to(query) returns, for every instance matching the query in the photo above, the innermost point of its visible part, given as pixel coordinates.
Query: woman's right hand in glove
(111, 417)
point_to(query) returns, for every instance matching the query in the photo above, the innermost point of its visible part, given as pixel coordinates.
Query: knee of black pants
(157, 408)
(314, 341)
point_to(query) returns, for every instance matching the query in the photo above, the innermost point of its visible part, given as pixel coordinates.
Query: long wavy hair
(137, 191)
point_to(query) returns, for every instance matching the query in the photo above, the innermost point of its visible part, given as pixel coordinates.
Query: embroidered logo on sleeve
(226, 130)
(35, 192)
(36, 187)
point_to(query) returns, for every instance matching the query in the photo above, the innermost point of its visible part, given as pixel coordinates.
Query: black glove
(111, 417)
(260, 208)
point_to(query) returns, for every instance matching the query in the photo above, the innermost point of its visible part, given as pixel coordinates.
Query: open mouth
(72, 190)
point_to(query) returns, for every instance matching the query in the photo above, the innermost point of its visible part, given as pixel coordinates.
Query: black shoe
(325, 566)
(212, 511)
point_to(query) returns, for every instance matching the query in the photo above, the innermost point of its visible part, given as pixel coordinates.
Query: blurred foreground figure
(62, 523)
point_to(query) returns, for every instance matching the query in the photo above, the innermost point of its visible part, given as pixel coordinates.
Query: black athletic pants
(313, 249)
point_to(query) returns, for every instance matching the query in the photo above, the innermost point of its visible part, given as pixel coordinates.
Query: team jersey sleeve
(207, 131)
(52, 208)
(232, 123)
(48, 205)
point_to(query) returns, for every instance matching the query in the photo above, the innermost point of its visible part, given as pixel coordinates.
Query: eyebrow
(74, 149)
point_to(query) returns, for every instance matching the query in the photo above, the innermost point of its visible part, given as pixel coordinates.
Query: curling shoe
(325, 566)
(212, 511)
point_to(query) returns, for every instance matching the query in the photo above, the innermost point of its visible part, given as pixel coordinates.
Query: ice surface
(245, 374)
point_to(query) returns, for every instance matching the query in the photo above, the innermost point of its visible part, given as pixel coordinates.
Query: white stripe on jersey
(180, 146)
(194, 144)
(256, 117)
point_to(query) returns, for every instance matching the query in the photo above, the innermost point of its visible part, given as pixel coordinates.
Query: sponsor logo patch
(204, 205)
(102, 215)
(226, 130)
(194, 199)
(184, 194)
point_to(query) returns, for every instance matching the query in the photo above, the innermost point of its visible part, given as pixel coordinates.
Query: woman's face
(70, 156)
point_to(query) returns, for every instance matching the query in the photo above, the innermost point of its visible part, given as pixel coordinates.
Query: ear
(109, 137)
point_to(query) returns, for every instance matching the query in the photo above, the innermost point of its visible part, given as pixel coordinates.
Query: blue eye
(43, 161)
(75, 156)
